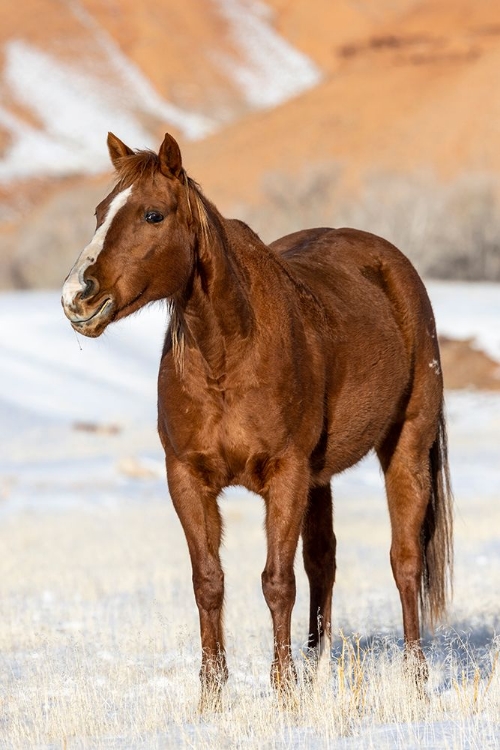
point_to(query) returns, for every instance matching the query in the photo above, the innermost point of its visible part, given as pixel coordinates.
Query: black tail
(437, 533)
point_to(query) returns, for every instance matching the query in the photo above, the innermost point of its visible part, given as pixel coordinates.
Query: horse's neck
(217, 315)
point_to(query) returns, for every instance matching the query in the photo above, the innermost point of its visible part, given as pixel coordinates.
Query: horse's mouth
(93, 325)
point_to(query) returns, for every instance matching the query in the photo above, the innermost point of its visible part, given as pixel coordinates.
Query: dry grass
(99, 638)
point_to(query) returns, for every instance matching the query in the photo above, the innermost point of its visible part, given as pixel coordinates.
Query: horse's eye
(153, 217)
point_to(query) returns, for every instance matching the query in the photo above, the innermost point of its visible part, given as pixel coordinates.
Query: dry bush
(39, 254)
(449, 231)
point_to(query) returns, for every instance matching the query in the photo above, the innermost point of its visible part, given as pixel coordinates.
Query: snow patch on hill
(270, 70)
(75, 109)
(72, 105)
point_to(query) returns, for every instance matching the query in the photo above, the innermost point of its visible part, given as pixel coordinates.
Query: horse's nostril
(90, 289)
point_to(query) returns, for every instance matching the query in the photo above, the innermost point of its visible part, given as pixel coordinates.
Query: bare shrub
(448, 230)
(44, 247)
(291, 204)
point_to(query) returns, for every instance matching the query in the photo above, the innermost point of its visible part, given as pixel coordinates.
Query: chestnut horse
(282, 366)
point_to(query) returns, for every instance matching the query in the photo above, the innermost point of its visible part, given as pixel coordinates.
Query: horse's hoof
(416, 672)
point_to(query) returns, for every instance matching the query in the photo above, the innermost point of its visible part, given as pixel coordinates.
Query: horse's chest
(239, 430)
(230, 440)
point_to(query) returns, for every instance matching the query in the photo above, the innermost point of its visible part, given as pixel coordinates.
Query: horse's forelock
(131, 168)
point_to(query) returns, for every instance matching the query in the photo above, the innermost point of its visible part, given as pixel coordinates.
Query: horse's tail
(437, 533)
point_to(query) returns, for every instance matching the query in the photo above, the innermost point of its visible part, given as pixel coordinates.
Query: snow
(80, 457)
(48, 370)
(268, 69)
(468, 310)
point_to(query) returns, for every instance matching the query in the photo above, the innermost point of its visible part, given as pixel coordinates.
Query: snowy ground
(98, 631)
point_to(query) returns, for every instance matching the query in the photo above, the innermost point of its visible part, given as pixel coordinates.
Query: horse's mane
(146, 163)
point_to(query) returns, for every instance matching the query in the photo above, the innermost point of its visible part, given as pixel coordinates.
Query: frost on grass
(99, 645)
(127, 690)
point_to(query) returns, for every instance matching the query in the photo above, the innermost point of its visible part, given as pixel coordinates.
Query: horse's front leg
(286, 499)
(198, 511)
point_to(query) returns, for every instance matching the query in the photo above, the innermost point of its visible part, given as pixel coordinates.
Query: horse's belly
(346, 450)
(360, 414)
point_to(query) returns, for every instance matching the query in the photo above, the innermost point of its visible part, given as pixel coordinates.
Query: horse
(282, 365)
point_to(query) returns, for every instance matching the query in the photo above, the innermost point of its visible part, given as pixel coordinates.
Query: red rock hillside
(290, 113)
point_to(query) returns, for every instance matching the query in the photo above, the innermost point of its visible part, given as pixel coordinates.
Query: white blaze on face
(75, 282)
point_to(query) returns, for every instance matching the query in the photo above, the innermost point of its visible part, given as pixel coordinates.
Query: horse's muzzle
(90, 322)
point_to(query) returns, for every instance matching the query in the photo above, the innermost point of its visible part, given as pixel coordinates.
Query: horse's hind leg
(318, 549)
(404, 457)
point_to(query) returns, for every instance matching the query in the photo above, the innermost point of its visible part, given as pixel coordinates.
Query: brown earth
(411, 93)
(464, 366)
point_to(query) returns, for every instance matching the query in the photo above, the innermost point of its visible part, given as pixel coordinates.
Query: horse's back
(326, 250)
(351, 271)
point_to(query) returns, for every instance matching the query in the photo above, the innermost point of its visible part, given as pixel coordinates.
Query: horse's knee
(209, 588)
(279, 589)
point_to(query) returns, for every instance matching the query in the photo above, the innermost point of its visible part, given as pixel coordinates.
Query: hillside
(290, 113)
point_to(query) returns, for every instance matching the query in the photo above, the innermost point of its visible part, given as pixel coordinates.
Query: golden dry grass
(99, 636)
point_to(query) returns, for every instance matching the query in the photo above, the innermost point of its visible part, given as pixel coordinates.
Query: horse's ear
(117, 150)
(170, 157)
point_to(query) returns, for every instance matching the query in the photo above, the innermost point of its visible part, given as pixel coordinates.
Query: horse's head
(142, 249)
